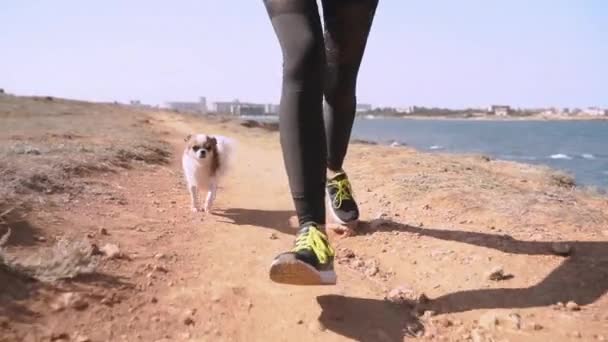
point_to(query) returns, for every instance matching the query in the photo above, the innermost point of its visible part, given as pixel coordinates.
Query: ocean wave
(511, 157)
(588, 156)
(560, 156)
(436, 147)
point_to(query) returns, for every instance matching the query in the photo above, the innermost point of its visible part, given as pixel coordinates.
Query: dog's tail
(226, 148)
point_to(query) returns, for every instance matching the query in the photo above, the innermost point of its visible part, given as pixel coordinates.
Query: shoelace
(344, 192)
(314, 239)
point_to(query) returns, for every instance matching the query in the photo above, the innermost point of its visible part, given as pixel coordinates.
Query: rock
(273, 236)
(103, 231)
(403, 295)
(154, 300)
(537, 326)
(40, 238)
(497, 273)
(111, 251)
(59, 336)
(70, 300)
(444, 322)
(159, 268)
(371, 270)
(492, 319)
(300, 321)
(347, 253)
(188, 320)
(159, 256)
(562, 249)
(572, 306)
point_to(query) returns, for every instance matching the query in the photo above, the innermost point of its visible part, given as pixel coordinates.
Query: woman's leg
(347, 26)
(298, 28)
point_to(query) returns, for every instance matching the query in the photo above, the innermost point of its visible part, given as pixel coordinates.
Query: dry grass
(47, 147)
(66, 259)
(50, 146)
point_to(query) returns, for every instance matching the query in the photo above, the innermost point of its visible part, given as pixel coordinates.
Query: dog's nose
(203, 154)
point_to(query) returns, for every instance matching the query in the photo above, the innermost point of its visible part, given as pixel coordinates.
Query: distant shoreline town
(250, 109)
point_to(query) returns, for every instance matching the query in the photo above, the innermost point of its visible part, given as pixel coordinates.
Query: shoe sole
(334, 216)
(295, 272)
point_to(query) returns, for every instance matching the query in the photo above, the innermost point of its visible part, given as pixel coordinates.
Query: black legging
(314, 66)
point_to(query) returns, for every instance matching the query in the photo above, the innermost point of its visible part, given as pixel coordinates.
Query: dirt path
(204, 277)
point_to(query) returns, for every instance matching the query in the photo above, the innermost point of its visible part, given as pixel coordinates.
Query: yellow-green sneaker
(310, 262)
(340, 199)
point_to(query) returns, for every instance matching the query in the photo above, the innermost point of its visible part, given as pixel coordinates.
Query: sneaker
(310, 262)
(340, 199)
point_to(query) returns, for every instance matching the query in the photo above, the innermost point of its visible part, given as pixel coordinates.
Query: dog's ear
(212, 141)
(188, 137)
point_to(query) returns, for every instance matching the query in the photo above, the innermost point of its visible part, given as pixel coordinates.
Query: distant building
(135, 103)
(499, 110)
(240, 108)
(199, 107)
(363, 107)
(594, 111)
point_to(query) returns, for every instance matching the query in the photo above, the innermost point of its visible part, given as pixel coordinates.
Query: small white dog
(205, 160)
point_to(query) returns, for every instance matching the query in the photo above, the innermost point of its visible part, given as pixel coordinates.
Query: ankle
(333, 173)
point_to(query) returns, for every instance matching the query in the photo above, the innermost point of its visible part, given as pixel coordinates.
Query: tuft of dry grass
(64, 260)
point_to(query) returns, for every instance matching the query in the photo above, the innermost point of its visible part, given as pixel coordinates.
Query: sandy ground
(435, 226)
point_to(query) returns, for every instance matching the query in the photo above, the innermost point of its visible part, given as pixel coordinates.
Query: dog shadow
(363, 319)
(271, 219)
(582, 276)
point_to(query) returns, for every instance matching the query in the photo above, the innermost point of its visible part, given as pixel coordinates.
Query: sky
(466, 53)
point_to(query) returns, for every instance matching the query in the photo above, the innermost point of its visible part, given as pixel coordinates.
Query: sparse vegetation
(50, 146)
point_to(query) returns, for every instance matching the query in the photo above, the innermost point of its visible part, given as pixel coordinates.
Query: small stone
(59, 336)
(216, 298)
(562, 249)
(159, 268)
(273, 236)
(111, 251)
(103, 231)
(159, 256)
(537, 326)
(359, 263)
(40, 238)
(154, 300)
(300, 322)
(371, 271)
(188, 321)
(577, 334)
(69, 300)
(572, 306)
(444, 322)
(347, 253)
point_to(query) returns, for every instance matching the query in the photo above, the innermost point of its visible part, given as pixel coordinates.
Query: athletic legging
(315, 65)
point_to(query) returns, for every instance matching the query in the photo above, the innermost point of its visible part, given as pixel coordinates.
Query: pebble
(562, 249)
(103, 231)
(59, 336)
(69, 300)
(273, 236)
(188, 321)
(572, 306)
(371, 271)
(40, 239)
(159, 256)
(111, 251)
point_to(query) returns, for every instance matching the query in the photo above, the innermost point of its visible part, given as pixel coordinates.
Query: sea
(576, 147)
(579, 147)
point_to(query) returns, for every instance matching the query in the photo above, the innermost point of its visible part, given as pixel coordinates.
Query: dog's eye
(195, 148)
